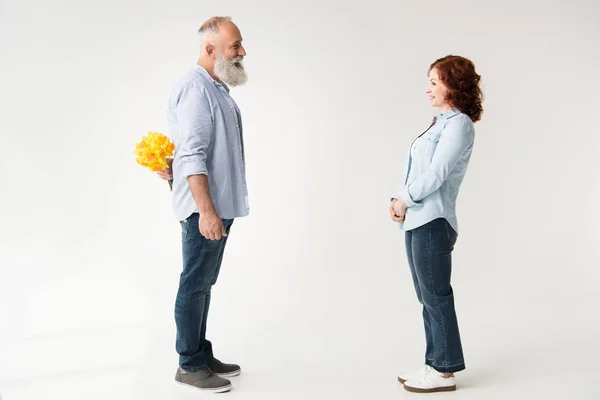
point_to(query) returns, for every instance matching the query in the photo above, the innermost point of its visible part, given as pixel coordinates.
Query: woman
(425, 209)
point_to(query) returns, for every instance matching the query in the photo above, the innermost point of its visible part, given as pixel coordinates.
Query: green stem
(171, 184)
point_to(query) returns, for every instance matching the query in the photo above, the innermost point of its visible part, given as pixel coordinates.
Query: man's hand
(211, 226)
(398, 210)
(167, 174)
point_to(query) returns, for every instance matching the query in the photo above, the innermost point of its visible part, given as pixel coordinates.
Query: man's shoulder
(192, 79)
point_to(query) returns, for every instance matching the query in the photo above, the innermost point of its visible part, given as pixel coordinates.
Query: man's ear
(210, 49)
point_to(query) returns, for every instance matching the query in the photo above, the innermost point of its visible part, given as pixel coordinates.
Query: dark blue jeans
(201, 264)
(429, 250)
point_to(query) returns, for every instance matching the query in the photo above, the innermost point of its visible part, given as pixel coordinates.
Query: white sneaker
(412, 375)
(432, 381)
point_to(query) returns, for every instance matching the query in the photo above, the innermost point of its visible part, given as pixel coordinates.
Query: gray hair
(210, 28)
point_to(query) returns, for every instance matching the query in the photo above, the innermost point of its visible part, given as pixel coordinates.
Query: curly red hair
(459, 76)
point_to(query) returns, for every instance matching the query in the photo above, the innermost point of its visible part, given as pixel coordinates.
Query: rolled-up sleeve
(195, 123)
(456, 138)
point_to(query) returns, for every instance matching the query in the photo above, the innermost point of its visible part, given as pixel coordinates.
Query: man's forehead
(230, 33)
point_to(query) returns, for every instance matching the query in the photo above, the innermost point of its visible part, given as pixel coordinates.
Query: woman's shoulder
(460, 126)
(461, 121)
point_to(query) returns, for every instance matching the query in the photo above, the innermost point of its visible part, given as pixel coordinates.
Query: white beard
(230, 73)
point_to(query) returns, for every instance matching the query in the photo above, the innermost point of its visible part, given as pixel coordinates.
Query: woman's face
(437, 91)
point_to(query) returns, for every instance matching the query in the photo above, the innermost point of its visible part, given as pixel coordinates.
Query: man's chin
(237, 82)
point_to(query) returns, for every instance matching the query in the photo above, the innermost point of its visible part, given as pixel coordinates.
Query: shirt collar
(449, 114)
(204, 72)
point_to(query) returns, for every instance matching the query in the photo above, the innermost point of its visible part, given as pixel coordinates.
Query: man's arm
(195, 122)
(211, 225)
(201, 193)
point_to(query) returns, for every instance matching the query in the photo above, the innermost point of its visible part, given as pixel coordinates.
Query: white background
(315, 298)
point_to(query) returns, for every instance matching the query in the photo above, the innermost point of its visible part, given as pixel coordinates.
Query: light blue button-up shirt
(206, 127)
(436, 166)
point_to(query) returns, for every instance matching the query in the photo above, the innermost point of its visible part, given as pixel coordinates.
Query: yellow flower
(152, 152)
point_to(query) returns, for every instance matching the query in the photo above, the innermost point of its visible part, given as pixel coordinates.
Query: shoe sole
(432, 390)
(229, 374)
(207, 390)
(401, 380)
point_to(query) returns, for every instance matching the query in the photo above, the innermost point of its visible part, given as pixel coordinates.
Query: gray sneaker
(204, 380)
(222, 369)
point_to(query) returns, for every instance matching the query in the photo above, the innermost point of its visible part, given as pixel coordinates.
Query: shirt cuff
(193, 167)
(405, 196)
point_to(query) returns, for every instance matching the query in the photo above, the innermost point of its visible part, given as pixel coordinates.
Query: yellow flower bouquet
(153, 151)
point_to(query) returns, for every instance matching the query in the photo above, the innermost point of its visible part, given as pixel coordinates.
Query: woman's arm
(456, 138)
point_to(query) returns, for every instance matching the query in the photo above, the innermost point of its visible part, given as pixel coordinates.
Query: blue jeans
(201, 264)
(429, 250)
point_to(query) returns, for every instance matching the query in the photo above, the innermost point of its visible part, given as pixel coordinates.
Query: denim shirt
(436, 166)
(206, 127)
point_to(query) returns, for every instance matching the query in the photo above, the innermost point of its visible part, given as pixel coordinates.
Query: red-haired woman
(425, 208)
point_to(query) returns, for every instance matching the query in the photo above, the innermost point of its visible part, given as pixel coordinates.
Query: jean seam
(447, 364)
(437, 308)
(213, 279)
(446, 224)
(446, 229)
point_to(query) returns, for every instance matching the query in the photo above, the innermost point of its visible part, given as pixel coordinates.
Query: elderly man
(209, 191)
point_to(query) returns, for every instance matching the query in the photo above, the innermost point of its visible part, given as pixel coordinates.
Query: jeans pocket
(450, 232)
(185, 227)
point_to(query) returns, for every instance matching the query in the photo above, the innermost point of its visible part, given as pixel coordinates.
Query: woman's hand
(398, 210)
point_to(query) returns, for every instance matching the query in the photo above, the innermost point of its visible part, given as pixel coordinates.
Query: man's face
(229, 55)
(230, 41)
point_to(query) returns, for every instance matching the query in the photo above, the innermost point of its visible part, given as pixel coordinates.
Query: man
(209, 191)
